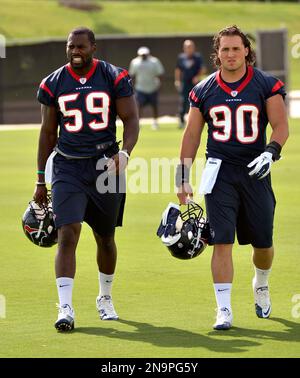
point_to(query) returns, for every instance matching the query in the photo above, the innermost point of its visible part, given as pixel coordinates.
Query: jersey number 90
(77, 124)
(224, 123)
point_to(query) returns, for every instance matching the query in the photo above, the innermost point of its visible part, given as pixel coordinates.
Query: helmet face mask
(185, 234)
(38, 224)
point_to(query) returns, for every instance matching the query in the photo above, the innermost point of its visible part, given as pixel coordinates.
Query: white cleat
(262, 300)
(224, 319)
(106, 308)
(65, 320)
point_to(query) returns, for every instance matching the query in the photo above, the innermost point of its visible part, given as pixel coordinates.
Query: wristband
(124, 153)
(274, 148)
(182, 175)
(40, 183)
(41, 172)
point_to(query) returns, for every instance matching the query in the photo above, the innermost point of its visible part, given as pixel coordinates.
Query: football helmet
(38, 224)
(185, 234)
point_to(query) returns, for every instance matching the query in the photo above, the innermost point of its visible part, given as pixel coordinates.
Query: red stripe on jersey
(120, 77)
(193, 96)
(243, 84)
(87, 76)
(44, 86)
(277, 86)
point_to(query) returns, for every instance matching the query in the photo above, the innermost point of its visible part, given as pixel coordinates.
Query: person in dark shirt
(237, 102)
(188, 70)
(81, 100)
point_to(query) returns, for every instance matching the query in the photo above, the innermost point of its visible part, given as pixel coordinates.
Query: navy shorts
(241, 204)
(146, 98)
(76, 199)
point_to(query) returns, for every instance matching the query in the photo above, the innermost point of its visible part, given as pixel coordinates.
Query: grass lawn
(166, 306)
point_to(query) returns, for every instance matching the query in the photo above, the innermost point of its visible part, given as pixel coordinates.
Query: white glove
(262, 165)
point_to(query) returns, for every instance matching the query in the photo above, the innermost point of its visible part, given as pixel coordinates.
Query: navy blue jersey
(85, 105)
(189, 66)
(236, 114)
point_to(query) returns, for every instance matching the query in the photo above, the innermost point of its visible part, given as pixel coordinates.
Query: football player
(80, 101)
(237, 102)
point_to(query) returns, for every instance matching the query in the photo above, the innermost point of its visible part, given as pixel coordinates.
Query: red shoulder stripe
(120, 77)
(277, 86)
(193, 96)
(44, 86)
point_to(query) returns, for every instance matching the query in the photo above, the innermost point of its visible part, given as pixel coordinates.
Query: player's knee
(222, 249)
(68, 235)
(107, 243)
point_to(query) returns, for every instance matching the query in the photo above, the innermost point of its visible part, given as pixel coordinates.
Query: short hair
(84, 30)
(232, 31)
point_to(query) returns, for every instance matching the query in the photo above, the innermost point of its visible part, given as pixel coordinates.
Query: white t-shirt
(146, 73)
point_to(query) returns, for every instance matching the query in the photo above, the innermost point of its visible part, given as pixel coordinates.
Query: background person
(188, 70)
(147, 70)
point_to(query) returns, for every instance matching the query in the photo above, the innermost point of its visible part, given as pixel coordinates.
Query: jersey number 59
(77, 124)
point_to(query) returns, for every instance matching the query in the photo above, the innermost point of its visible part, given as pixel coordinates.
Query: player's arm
(128, 112)
(47, 141)
(189, 147)
(277, 115)
(278, 120)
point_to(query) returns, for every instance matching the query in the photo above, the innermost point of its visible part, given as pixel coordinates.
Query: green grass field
(166, 306)
(48, 19)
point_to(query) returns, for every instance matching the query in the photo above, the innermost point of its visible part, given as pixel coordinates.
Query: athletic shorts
(241, 204)
(146, 98)
(75, 196)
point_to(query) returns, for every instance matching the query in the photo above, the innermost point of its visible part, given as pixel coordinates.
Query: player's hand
(40, 195)
(117, 163)
(262, 165)
(185, 193)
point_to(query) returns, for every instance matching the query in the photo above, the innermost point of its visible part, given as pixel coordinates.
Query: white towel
(209, 175)
(49, 168)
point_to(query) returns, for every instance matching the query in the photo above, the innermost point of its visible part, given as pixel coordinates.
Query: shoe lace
(223, 314)
(107, 303)
(65, 309)
(263, 295)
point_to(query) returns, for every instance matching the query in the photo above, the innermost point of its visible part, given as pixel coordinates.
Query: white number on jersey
(91, 108)
(224, 123)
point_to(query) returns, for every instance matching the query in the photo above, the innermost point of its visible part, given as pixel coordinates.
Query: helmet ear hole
(38, 224)
(192, 232)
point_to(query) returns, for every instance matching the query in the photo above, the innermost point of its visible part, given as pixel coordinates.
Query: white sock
(65, 289)
(261, 277)
(223, 295)
(105, 283)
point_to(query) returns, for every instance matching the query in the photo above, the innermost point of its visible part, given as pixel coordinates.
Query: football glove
(262, 165)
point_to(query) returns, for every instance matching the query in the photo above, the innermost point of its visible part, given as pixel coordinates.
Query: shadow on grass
(291, 333)
(232, 341)
(170, 337)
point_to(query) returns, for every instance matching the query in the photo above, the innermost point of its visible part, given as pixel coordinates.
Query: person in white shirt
(147, 70)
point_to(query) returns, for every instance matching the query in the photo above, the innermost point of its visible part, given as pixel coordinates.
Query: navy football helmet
(38, 224)
(185, 234)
